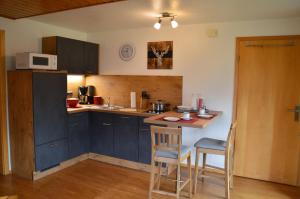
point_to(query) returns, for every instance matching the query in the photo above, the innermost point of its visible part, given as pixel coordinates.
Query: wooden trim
(256, 38)
(4, 168)
(120, 162)
(31, 11)
(63, 165)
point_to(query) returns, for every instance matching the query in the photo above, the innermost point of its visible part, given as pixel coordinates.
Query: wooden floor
(94, 180)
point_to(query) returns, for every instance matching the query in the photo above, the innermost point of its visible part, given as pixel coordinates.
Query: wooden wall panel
(167, 88)
(3, 127)
(21, 131)
(16, 9)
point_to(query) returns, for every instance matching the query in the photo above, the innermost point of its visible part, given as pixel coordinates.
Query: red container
(98, 100)
(200, 103)
(72, 102)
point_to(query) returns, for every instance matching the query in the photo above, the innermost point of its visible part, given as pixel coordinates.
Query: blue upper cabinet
(126, 137)
(74, 56)
(49, 106)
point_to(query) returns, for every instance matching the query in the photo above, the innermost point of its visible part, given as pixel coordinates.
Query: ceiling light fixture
(174, 24)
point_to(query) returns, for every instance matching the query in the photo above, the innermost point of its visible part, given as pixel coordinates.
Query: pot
(159, 106)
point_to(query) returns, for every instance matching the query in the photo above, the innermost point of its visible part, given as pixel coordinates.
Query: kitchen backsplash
(118, 88)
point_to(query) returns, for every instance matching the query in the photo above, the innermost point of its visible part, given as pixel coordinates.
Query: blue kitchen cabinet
(50, 154)
(78, 134)
(126, 137)
(102, 133)
(144, 142)
(49, 106)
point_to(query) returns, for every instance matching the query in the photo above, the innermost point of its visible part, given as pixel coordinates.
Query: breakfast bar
(195, 122)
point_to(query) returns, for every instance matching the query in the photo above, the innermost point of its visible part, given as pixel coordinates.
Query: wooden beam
(4, 169)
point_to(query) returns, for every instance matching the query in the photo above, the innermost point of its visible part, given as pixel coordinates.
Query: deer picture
(160, 55)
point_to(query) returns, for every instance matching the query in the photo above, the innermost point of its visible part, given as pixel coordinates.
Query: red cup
(98, 100)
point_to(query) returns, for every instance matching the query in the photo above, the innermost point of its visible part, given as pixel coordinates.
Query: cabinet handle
(106, 124)
(124, 117)
(51, 145)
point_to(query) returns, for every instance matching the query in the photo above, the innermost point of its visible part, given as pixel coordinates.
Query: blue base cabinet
(78, 131)
(102, 133)
(144, 142)
(126, 137)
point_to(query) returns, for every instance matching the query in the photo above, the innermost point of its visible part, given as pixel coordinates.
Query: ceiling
(142, 13)
(16, 9)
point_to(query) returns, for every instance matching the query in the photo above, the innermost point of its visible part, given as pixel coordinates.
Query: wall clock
(127, 52)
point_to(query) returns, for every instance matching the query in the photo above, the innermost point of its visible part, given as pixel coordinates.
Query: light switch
(212, 33)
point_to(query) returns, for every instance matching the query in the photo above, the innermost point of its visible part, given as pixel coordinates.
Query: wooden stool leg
(158, 175)
(203, 165)
(196, 170)
(227, 179)
(178, 181)
(152, 177)
(190, 175)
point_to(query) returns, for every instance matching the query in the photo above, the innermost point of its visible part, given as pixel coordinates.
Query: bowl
(72, 102)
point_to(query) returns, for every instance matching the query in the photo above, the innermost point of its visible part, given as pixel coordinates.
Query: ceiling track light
(164, 15)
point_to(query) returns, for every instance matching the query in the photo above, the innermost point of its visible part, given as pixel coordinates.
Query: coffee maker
(86, 94)
(82, 94)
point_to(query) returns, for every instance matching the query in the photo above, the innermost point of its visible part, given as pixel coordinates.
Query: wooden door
(268, 85)
(3, 130)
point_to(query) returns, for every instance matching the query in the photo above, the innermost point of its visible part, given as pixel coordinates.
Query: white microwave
(29, 60)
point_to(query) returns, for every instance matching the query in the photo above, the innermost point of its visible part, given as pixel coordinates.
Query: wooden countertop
(124, 111)
(196, 122)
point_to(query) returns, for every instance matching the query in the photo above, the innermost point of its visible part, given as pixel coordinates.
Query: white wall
(26, 36)
(207, 64)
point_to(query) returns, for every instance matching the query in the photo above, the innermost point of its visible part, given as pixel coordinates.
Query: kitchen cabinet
(144, 142)
(51, 154)
(74, 56)
(78, 134)
(38, 120)
(102, 133)
(126, 137)
(49, 107)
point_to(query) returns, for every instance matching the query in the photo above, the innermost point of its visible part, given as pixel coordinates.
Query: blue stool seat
(173, 154)
(209, 143)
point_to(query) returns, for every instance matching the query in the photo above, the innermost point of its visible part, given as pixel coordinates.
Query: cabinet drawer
(125, 120)
(78, 117)
(50, 154)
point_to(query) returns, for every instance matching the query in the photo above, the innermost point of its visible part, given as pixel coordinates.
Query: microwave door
(40, 62)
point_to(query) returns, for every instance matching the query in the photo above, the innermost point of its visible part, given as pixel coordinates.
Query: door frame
(236, 70)
(4, 165)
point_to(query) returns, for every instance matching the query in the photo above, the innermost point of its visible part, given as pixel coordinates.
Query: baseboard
(120, 162)
(40, 174)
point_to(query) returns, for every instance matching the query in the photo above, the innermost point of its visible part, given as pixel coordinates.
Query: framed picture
(160, 55)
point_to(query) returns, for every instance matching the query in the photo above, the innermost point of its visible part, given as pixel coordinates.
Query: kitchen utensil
(205, 116)
(171, 119)
(72, 102)
(202, 111)
(82, 94)
(91, 94)
(186, 119)
(159, 106)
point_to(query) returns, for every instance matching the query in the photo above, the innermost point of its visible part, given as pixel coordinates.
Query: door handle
(296, 111)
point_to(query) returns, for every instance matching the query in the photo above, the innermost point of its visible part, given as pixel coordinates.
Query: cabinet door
(91, 58)
(78, 134)
(49, 105)
(144, 142)
(102, 137)
(126, 137)
(70, 55)
(50, 154)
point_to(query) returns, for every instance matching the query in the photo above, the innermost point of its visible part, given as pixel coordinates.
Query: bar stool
(165, 151)
(217, 147)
